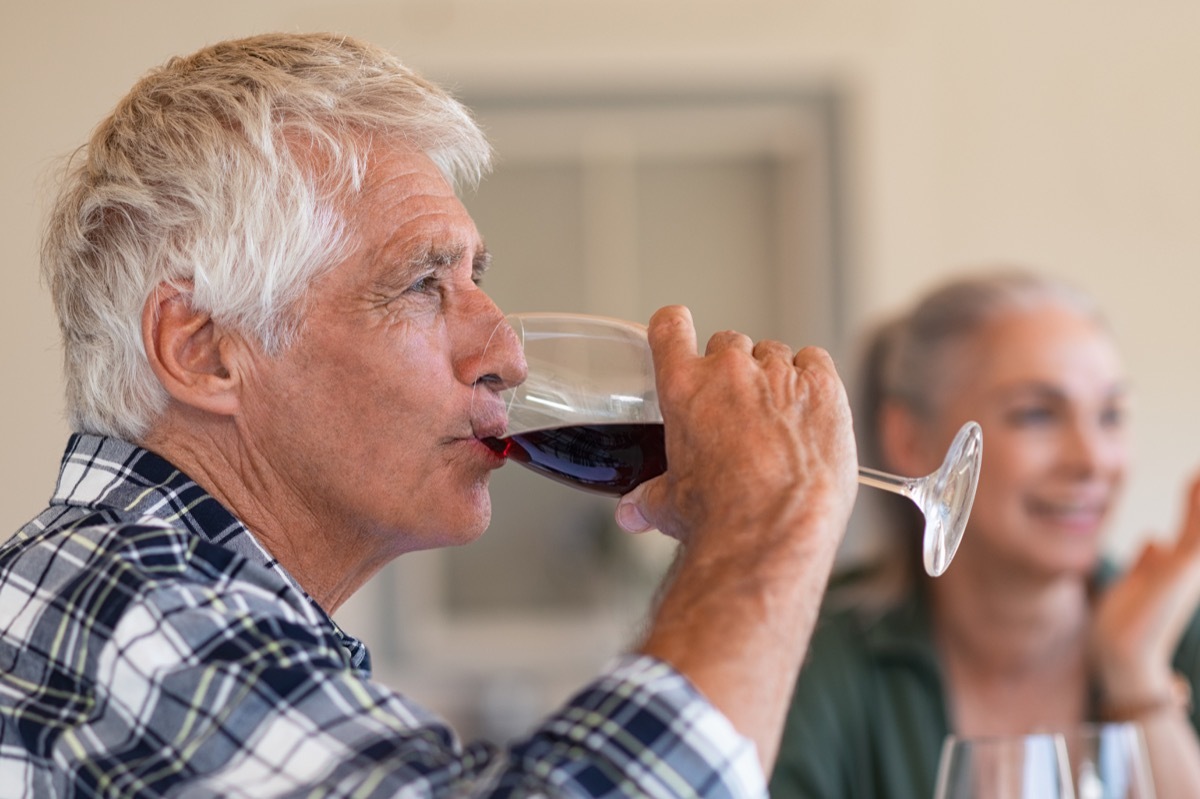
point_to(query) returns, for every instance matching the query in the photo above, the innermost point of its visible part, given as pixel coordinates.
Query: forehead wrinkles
(396, 178)
(415, 217)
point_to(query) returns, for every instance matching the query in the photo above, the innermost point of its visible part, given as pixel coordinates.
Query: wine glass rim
(1129, 724)
(995, 738)
(1083, 728)
(572, 315)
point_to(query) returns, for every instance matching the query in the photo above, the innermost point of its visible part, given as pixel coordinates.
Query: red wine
(606, 458)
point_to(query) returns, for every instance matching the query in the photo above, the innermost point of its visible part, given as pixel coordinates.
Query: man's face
(367, 418)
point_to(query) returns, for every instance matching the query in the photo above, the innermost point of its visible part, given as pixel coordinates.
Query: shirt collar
(102, 473)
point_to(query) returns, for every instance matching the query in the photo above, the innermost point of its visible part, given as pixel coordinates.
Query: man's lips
(494, 428)
(489, 416)
(488, 429)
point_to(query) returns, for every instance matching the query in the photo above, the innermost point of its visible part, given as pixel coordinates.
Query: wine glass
(587, 415)
(1109, 761)
(1004, 767)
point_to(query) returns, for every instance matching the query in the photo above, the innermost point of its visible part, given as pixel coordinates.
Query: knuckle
(726, 338)
(770, 347)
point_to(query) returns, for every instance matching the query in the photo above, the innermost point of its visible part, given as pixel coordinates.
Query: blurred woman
(1029, 629)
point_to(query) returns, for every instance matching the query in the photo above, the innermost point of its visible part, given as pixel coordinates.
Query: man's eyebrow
(437, 257)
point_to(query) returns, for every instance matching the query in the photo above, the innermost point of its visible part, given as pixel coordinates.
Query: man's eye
(425, 285)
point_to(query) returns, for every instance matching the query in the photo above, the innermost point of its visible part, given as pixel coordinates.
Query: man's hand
(761, 478)
(751, 432)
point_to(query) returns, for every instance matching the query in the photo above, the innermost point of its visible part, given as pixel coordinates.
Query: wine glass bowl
(587, 415)
(581, 370)
(1032, 766)
(1109, 761)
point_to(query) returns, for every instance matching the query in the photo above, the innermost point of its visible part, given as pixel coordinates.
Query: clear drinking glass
(1004, 767)
(1109, 761)
(587, 415)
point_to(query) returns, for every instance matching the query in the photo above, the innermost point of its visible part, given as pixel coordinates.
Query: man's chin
(471, 527)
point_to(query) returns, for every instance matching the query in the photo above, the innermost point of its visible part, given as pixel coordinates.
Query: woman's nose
(1091, 448)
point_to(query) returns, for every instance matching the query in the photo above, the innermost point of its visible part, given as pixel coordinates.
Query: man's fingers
(729, 340)
(767, 349)
(629, 514)
(636, 509)
(672, 336)
(813, 356)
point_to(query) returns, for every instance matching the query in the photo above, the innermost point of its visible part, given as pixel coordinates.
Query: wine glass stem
(903, 486)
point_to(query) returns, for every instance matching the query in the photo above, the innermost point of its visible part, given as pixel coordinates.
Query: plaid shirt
(150, 645)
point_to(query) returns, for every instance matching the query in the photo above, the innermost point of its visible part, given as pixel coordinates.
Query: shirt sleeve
(235, 694)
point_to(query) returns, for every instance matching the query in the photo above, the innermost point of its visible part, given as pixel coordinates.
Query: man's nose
(497, 358)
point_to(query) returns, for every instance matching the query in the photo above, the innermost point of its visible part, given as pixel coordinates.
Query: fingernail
(630, 517)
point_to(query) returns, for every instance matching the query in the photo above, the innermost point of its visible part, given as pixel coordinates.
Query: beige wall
(1063, 134)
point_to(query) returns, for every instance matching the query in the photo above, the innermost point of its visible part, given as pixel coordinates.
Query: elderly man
(268, 294)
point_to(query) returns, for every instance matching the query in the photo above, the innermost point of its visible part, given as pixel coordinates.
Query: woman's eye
(1112, 417)
(1031, 416)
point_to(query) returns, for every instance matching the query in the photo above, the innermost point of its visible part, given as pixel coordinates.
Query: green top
(869, 714)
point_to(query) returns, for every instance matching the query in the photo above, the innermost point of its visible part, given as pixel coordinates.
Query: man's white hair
(225, 173)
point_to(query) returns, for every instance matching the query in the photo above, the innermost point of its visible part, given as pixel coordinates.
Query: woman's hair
(917, 357)
(913, 359)
(225, 174)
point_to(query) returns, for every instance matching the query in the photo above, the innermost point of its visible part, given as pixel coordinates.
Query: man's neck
(315, 546)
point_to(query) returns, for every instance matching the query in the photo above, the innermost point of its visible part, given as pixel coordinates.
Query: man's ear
(187, 351)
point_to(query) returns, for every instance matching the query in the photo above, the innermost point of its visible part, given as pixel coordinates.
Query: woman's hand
(1140, 620)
